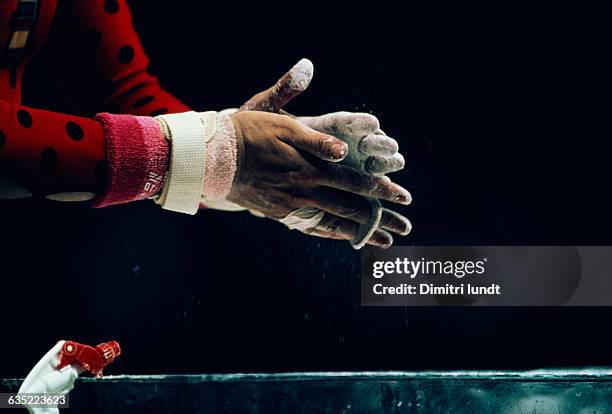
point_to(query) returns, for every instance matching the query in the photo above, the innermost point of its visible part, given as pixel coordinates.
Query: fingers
(293, 83)
(339, 228)
(384, 165)
(394, 221)
(362, 132)
(347, 179)
(323, 146)
(377, 240)
(343, 123)
(380, 145)
(357, 208)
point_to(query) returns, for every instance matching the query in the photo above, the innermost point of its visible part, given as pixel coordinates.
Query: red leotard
(102, 67)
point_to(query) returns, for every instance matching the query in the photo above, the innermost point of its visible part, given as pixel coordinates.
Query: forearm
(52, 154)
(49, 152)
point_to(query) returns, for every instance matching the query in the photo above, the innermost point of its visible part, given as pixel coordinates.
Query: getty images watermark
(413, 268)
(487, 276)
(34, 400)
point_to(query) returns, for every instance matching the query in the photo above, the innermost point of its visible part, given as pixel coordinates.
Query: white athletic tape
(303, 219)
(189, 133)
(367, 230)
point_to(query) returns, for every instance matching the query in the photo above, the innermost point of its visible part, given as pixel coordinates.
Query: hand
(370, 150)
(280, 170)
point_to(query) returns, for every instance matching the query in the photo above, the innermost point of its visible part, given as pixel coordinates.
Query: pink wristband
(137, 155)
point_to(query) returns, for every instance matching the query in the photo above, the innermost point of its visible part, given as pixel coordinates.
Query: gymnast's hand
(370, 151)
(281, 169)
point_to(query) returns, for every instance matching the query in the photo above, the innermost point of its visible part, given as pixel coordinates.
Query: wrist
(188, 133)
(137, 158)
(221, 160)
(163, 128)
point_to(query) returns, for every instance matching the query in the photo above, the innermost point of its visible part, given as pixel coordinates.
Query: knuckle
(400, 161)
(362, 122)
(377, 187)
(339, 117)
(369, 144)
(373, 121)
(391, 144)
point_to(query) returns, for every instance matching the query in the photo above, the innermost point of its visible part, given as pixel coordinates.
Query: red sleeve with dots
(101, 63)
(49, 152)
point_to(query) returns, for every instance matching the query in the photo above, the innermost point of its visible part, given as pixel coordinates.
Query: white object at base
(46, 378)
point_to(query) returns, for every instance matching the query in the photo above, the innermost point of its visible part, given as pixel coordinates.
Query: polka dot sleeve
(101, 63)
(94, 51)
(49, 152)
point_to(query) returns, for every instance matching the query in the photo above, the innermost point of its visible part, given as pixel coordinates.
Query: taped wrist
(189, 133)
(221, 161)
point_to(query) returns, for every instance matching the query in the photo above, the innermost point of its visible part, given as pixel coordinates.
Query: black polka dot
(126, 54)
(100, 170)
(111, 6)
(2, 139)
(91, 39)
(143, 101)
(24, 118)
(13, 78)
(74, 131)
(48, 160)
(160, 111)
(135, 88)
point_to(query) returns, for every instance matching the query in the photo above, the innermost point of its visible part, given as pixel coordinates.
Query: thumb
(324, 146)
(286, 88)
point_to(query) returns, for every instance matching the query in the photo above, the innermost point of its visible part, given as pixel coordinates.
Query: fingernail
(339, 150)
(404, 198)
(407, 230)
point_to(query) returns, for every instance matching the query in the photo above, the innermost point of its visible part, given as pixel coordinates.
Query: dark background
(504, 119)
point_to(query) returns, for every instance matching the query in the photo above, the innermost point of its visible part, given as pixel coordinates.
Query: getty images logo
(414, 268)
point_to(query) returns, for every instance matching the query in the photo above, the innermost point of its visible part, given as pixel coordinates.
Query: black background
(503, 116)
